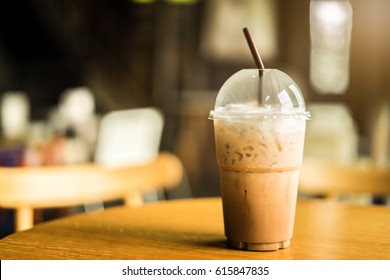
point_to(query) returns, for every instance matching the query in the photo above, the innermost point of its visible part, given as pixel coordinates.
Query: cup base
(274, 246)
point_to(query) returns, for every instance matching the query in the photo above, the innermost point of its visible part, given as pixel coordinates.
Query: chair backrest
(26, 188)
(129, 136)
(333, 179)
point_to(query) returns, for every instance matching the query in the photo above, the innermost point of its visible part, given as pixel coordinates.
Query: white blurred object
(77, 105)
(330, 33)
(76, 114)
(15, 114)
(130, 137)
(331, 134)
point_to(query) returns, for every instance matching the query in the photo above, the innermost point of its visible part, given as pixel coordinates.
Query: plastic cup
(259, 127)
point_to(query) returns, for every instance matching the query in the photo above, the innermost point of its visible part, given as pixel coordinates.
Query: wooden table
(193, 229)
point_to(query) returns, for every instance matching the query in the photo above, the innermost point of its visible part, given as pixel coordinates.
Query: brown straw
(258, 61)
(252, 47)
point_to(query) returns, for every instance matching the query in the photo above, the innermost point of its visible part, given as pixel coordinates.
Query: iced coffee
(259, 148)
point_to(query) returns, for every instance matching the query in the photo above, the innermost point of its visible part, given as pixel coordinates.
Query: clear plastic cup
(259, 126)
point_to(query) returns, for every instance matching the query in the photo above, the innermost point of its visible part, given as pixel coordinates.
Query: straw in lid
(259, 93)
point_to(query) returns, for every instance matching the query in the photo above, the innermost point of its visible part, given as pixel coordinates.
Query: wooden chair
(335, 179)
(128, 137)
(26, 188)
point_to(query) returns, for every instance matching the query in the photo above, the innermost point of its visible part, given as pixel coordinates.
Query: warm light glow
(223, 21)
(15, 114)
(168, 1)
(330, 13)
(143, 1)
(181, 1)
(330, 32)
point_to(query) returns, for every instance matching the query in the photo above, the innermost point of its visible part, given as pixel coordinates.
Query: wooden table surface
(193, 229)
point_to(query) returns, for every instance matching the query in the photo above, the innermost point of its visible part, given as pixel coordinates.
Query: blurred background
(65, 63)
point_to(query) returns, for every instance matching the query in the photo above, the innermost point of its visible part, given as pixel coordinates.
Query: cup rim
(221, 115)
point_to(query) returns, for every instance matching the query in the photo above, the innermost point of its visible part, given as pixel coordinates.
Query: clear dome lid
(260, 93)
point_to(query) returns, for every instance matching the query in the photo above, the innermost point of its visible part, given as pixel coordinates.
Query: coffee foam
(266, 123)
(235, 112)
